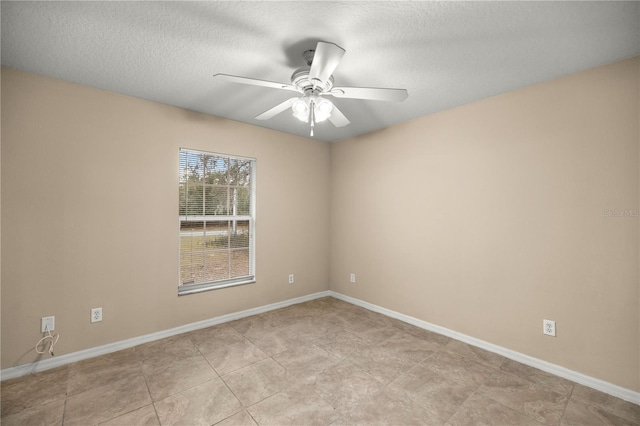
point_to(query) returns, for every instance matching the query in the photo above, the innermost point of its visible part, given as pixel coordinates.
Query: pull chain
(311, 104)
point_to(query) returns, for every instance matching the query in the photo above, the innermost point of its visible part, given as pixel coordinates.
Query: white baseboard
(58, 361)
(592, 382)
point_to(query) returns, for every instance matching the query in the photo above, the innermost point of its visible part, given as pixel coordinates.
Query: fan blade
(325, 60)
(255, 82)
(276, 109)
(372, 93)
(337, 118)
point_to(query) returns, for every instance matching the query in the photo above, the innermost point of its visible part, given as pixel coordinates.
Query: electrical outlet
(48, 324)
(291, 280)
(352, 278)
(96, 315)
(549, 327)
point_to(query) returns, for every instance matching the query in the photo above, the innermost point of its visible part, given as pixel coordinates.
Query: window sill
(192, 289)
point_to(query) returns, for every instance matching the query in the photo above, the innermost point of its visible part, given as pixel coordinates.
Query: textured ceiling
(444, 53)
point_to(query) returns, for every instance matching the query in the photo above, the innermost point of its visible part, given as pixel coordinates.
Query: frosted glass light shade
(300, 109)
(322, 109)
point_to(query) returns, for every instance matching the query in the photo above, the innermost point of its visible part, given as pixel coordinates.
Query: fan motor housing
(300, 79)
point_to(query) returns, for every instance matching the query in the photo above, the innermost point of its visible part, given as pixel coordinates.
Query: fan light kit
(314, 82)
(311, 109)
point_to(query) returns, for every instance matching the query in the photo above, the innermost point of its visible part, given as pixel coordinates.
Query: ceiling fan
(314, 82)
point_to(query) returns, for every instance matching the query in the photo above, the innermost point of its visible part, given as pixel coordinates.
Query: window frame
(184, 289)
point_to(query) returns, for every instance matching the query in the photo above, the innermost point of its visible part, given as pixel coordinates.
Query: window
(216, 221)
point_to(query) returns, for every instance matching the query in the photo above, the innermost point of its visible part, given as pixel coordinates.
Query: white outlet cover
(48, 323)
(96, 314)
(352, 278)
(549, 327)
(291, 279)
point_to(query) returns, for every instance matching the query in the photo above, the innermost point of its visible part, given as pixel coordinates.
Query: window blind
(216, 220)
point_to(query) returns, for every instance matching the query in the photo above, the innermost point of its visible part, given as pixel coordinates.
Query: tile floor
(317, 363)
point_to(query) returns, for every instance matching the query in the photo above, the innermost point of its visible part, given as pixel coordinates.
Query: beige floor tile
(383, 364)
(344, 344)
(481, 411)
(476, 354)
(106, 402)
(348, 315)
(558, 384)
(421, 333)
(33, 390)
(579, 413)
(227, 358)
(389, 408)
(242, 418)
(609, 403)
(165, 351)
(295, 406)
(627, 411)
(377, 334)
(539, 402)
(337, 334)
(341, 303)
(350, 307)
(458, 368)
(177, 376)
(306, 361)
(362, 323)
(334, 321)
(204, 404)
(102, 370)
(145, 416)
(409, 347)
(258, 381)
(275, 342)
(312, 333)
(46, 415)
(253, 325)
(285, 317)
(299, 310)
(435, 392)
(307, 329)
(344, 385)
(591, 396)
(325, 304)
(211, 338)
(379, 318)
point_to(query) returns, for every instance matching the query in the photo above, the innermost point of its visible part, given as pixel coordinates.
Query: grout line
(207, 361)
(233, 393)
(251, 415)
(66, 394)
(153, 404)
(64, 410)
(567, 404)
(462, 403)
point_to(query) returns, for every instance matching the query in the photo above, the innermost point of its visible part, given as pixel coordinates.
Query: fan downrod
(308, 56)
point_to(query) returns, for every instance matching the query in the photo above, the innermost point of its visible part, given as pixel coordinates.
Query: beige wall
(89, 206)
(504, 223)
(489, 217)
